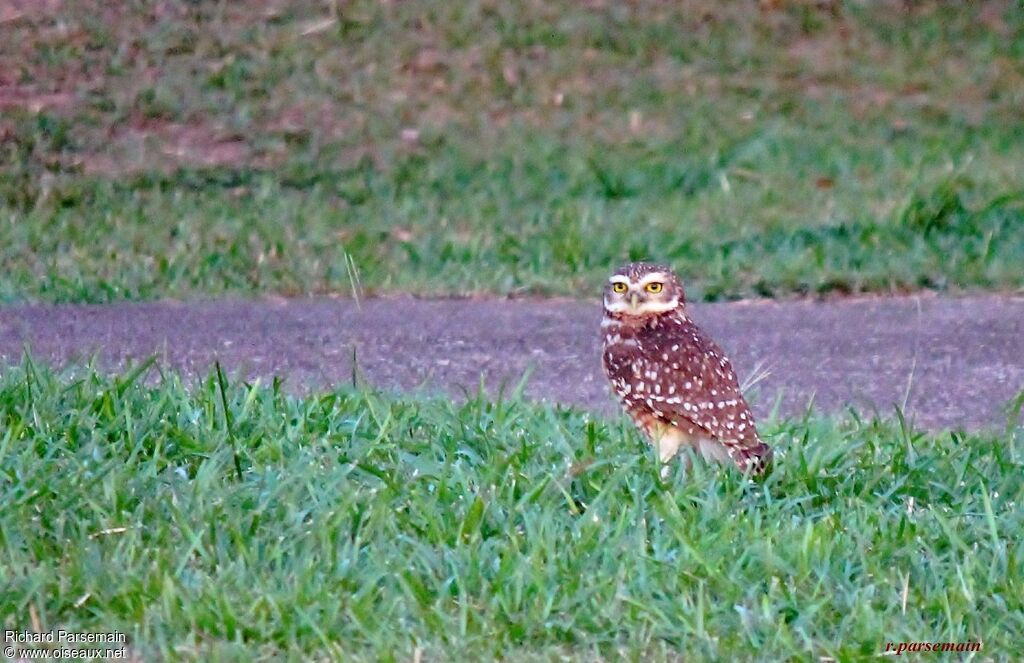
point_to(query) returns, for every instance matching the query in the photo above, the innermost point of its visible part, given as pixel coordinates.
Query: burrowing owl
(674, 381)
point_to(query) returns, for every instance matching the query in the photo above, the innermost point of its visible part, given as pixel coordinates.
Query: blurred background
(773, 148)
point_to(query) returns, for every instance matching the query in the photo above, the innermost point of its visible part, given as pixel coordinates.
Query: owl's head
(642, 289)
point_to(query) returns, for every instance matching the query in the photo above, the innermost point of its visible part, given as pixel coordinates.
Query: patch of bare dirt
(157, 145)
(12, 11)
(32, 99)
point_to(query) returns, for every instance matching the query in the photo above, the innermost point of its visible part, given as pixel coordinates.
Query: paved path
(955, 362)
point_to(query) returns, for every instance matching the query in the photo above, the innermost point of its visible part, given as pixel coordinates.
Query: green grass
(169, 149)
(366, 527)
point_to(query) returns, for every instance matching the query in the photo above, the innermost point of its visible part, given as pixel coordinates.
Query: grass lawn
(367, 527)
(181, 148)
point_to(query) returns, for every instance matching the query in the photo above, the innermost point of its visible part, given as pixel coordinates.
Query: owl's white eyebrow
(657, 276)
(619, 279)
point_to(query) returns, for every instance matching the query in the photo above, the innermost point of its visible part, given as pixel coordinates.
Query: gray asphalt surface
(954, 362)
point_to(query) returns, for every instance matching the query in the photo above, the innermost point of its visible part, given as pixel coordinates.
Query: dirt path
(955, 362)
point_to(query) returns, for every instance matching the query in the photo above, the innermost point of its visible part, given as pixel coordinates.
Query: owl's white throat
(644, 309)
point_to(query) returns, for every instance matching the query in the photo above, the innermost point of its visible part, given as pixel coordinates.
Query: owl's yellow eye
(655, 287)
(619, 286)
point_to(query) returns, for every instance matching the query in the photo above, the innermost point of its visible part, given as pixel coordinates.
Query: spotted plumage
(672, 379)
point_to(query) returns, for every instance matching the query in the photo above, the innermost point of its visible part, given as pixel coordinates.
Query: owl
(674, 381)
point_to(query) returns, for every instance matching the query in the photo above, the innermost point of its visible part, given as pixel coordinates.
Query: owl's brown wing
(689, 382)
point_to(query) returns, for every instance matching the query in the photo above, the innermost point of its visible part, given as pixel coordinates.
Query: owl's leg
(713, 450)
(666, 467)
(668, 446)
(668, 442)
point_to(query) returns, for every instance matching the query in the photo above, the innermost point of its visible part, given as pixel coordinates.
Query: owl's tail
(756, 458)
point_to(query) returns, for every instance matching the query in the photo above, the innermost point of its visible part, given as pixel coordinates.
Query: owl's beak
(634, 299)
